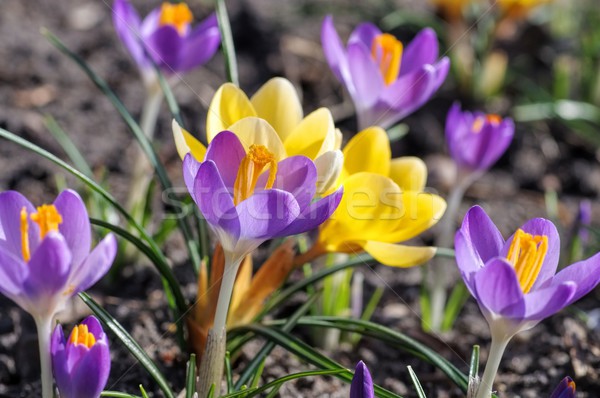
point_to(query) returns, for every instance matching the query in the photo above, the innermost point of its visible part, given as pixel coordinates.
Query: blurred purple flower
(386, 81)
(584, 220)
(45, 253)
(476, 140)
(166, 36)
(566, 389)
(514, 281)
(362, 384)
(81, 365)
(250, 197)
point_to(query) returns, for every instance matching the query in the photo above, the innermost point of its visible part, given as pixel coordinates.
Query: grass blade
(190, 377)
(227, 43)
(416, 383)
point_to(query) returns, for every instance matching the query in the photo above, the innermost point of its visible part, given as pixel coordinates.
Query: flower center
(527, 253)
(177, 15)
(47, 217)
(250, 169)
(386, 50)
(480, 121)
(81, 335)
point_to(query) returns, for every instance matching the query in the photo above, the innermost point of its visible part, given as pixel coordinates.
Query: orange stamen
(25, 235)
(527, 253)
(47, 217)
(480, 121)
(177, 15)
(386, 50)
(81, 335)
(251, 167)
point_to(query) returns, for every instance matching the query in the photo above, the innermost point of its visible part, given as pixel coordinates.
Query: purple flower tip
(362, 383)
(566, 389)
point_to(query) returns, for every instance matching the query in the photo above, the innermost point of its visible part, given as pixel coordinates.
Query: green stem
(227, 43)
(44, 331)
(491, 367)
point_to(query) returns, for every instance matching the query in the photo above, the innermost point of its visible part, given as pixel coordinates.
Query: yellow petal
(398, 255)
(329, 167)
(241, 285)
(277, 102)
(314, 135)
(256, 131)
(367, 151)
(337, 144)
(186, 143)
(422, 210)
(410, 173)
(229, 105)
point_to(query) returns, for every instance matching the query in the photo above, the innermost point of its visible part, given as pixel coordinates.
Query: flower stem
(44, 331)
(211, 368)
(491, 367)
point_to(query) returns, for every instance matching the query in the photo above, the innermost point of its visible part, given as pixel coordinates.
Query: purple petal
(334, 51)
(60, 367)
(543, 227)
(441, 72)
(476, 242)
(499, 139)
(227, 152)
(75, 226)
(164, 46)
(566, 389)
(13, 271)
(11, 203)
(190, 170)
(95, 266)
(90, 374)
(127, 25)
(422, 50)
(266, 213)
(585, 274)
(49, 268)
(297, 175)
(364, 34)
(200, 45)
(314, 215)
(498, 290)
(362, 384)
(366, 76)
(545, 302)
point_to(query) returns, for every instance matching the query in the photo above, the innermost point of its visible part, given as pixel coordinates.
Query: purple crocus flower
(566, 389)
(362, 384)
(386, 81)
(81, 365)
(476, 140)
(248, 196)
(166, 36)
(45, 255)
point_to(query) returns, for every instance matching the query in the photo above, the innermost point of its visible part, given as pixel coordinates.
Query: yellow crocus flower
(272, 117)
(519, 8)
(383, 204)
(451, 9)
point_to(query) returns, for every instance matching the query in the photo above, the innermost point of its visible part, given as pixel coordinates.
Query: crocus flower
(166, 37)
(273, 117)
(362, 383)
(81, 364)
(386, 81)
(383, 204)
(451, 9)
(519, 8)
(566, 389)
(45, 255)
(514, 281)
(476, 140)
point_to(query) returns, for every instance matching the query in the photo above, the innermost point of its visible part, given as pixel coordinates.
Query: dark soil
(272, 38)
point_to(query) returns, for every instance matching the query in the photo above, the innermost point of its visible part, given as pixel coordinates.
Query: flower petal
(585, 274)
(313, 136)
(362, 384)
(227, 152)
(11, 204)
(422, 50)
(228, 105)
(545, 302)
(329, 167)
(49, 269)
(164, 46)
(296, 175)
(90, 374)
(364, 34)
(12, 273)
(396, 255)
(190, 170)
(334, 51)
(187, 143)
(95, 266)
(277, 102)
(127, 25)
(369, 151)
(409, 172)
(200, 45)
(75, 226)
(266, 213)
(255, 131)
(60, 368)
(497, 289)
(366, 76)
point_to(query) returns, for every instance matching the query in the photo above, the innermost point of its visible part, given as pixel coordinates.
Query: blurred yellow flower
(451, 9)
(519, 8)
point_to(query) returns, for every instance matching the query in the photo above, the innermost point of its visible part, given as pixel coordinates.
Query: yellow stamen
(571, 385)
(527, 253)
(386, 50)
(47, 217)
(480, 121)
(81, 335)
(25, 235)
(177, 15)
(250, 169)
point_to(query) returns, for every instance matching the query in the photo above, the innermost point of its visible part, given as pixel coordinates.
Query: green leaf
(190, 377)
(129, 343)
(459, 296)
(68, 146)
(144, 393)
(416, 383)
(117, 394)
(227, 43)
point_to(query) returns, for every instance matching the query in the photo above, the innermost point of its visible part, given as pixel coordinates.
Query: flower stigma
(177, 15)
(480, 121)
(250, 169)
(386, 50)
(81, 335)
(527, 253)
